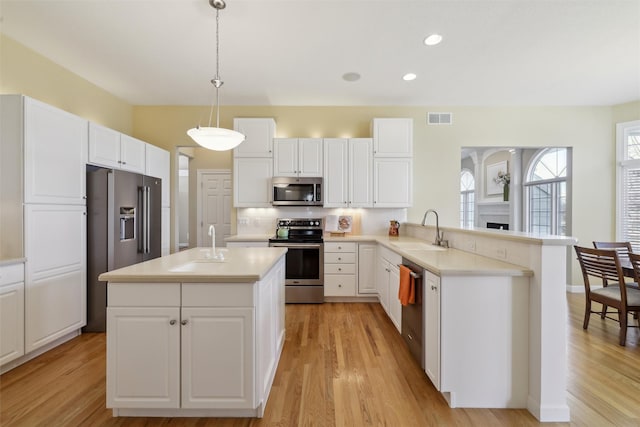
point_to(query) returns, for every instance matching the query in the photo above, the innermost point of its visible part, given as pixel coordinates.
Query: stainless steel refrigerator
(123, 228)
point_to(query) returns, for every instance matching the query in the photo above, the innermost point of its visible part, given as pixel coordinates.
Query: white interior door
(215, 200)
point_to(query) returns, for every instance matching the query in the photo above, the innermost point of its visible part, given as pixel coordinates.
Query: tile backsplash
(370, 221)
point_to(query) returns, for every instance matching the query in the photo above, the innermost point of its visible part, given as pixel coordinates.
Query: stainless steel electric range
(304, 277)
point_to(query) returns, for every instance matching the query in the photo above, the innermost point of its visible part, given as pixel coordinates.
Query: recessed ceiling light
(408, 77)
(433, 39)
(351, 77)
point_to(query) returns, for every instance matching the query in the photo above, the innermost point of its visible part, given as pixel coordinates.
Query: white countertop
(195, 265)
(449, 262)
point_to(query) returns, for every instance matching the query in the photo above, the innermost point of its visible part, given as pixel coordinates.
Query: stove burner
(301, 230)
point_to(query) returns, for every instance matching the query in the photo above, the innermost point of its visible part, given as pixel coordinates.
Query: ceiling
(295, 52)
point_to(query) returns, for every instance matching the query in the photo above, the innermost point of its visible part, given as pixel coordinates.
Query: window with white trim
(546, 192)
(467, 198)
(628, 183)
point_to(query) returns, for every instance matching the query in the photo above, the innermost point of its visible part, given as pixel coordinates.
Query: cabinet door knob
(339, 269)
(340, 285)
(172, 321)
(184, 322)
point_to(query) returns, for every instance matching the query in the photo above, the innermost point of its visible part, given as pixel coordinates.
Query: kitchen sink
(417, 246)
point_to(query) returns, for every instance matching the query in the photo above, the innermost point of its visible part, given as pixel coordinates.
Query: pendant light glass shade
(218, 139)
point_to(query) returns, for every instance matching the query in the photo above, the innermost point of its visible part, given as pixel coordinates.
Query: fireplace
(498, 225)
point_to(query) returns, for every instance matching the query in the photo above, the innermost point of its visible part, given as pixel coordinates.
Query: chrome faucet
(439, 235)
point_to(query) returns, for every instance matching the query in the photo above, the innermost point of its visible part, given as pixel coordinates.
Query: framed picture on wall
(492, 186)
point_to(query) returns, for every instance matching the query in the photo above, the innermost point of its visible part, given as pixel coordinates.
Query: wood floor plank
(342, 365)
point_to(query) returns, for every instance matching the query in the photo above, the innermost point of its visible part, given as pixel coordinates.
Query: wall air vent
(439, 118)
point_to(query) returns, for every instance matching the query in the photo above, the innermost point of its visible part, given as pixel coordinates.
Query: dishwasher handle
(412, 273)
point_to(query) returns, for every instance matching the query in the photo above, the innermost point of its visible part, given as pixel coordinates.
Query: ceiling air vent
(439, 118)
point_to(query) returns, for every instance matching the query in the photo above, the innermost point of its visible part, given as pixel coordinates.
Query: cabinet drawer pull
(172, 321)
(339, 269)
(184, 322)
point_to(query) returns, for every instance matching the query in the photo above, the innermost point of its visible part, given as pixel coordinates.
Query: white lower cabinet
(11, 312)
(366, 272)
(431, 313)
(340, 269)
(55, 272)
(143, 349)
(194, 346)
(388, 282)
(217, 357)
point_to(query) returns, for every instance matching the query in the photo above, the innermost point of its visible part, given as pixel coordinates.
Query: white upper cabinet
(113, 149)
(392, 137)
(393, 181)
(297, 157)
(360, 173)
(157, 165)
(259, 134)
(55, 149)
(132, 154)
(348, 174)
(252, 182)
(336, 170)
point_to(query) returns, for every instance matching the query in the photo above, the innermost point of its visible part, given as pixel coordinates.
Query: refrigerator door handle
(147, 220)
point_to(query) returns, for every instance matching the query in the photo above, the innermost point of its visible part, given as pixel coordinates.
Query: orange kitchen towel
(407, 290)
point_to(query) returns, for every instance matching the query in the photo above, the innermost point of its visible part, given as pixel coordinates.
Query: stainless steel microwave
(288, 191)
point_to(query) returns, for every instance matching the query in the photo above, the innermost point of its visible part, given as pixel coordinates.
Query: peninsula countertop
(240, 265)
(440, 261)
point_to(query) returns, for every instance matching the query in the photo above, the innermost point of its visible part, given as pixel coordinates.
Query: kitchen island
(190, 334)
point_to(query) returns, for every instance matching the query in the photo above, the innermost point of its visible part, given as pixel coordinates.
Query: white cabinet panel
(393, 137)
(348, 172)
(112, 149)
(431, 326)
(360, 173)
(165, 242)
(157, 164)
(395, 308)
(259, 134)
(212, 378)
(297, 157)
(285, 157)
(104, 146)
(366, 274)
(55, 273)
(143, 350)
(393, 182)
(55, 149)
(132, 154)
(252, 182)
(336, 172)
(11, 312)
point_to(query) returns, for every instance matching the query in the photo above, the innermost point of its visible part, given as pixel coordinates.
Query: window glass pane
(552, 164)
(561, 208)
(467, 182)
(631, 206)
(633, 145)
(539, 208)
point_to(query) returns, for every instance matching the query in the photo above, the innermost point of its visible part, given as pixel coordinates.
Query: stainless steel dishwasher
(412, 329)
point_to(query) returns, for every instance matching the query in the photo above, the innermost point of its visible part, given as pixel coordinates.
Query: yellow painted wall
(23, 71)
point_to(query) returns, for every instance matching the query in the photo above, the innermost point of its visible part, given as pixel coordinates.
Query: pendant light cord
(216, 79)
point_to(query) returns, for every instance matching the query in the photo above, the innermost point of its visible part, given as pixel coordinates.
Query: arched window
(546, 192)
(467, 198)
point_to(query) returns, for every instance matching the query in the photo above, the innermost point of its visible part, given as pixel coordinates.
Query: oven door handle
(294, 245)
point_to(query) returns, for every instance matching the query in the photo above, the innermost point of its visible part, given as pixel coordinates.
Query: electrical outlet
(471, 245)
(501, 253)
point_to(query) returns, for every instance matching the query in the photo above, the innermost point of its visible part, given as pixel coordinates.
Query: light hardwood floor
(342, 365)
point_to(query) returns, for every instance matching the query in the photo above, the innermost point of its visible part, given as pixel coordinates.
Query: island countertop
(196, 265)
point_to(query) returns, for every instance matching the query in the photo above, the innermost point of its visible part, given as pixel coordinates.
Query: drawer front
(339, 269)
(339, 285)
(143, 294)
(218, 294)
(339, 258)
(339, 247)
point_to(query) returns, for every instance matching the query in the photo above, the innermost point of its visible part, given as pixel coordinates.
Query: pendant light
(216, 138)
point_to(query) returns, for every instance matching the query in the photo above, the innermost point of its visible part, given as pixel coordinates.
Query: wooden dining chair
(598, 266)
(623, 249)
